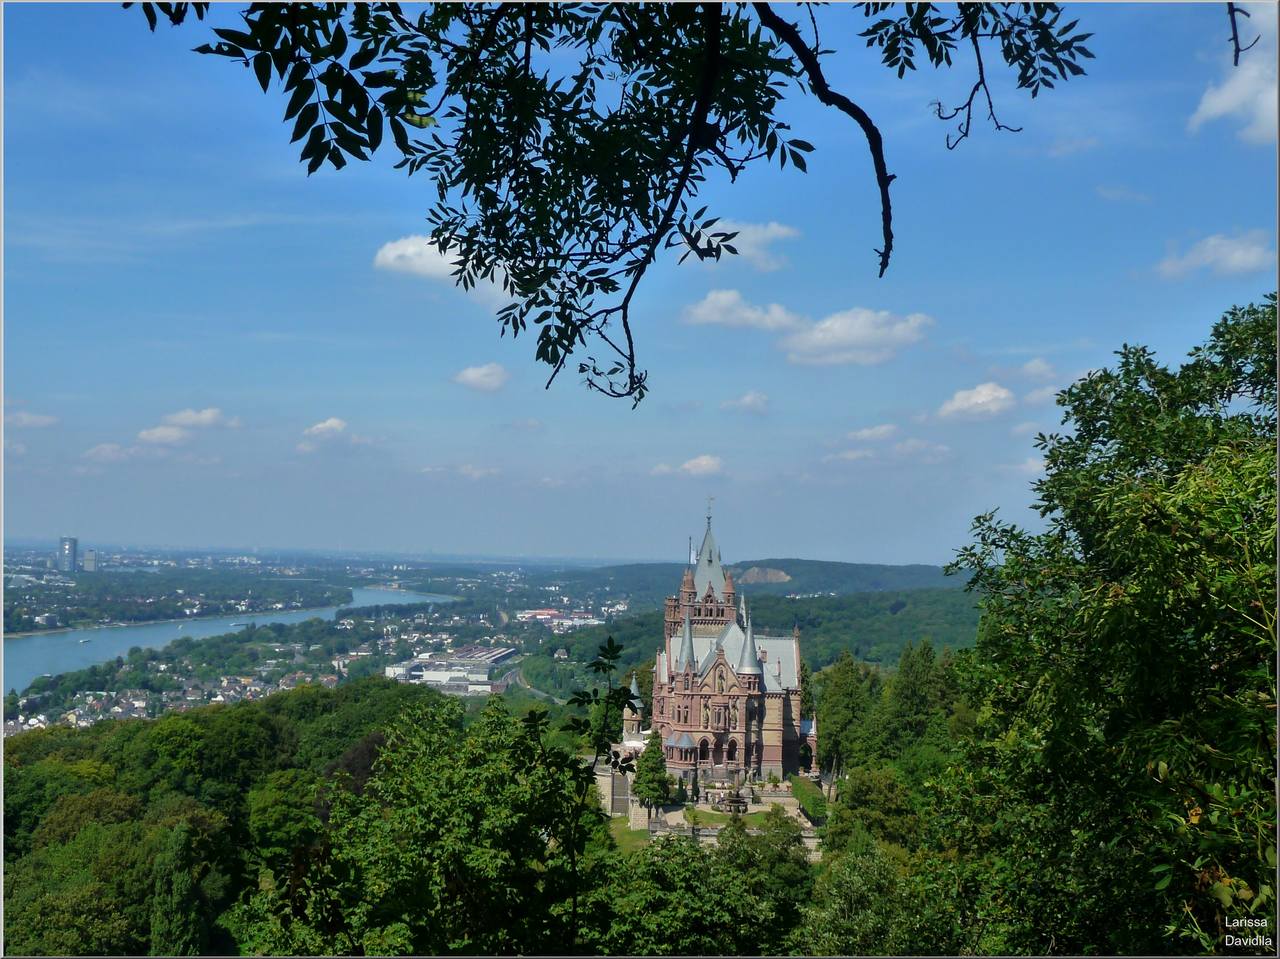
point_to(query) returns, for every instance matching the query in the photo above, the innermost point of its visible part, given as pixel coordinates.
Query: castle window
(733, 751)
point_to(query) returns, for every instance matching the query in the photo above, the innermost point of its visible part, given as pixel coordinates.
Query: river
(26, 657)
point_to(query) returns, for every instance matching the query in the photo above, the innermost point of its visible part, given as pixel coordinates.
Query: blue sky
(205, 347)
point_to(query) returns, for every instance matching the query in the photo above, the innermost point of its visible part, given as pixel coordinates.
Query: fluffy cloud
(24, 420)
(985, 399)
(164, 435)
(728, 308)
(106, 453)
(704, 465)
(1031, 466)
(752, 401)
(1246, 92)
(326, 432)
(417, 255)
(857, 336)
(754, 240)
(488, 378)
(1244, 253)
(881, 432)
(420, 256)
(194, 419)
(325, 428)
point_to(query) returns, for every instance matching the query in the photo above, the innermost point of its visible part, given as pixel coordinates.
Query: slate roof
(708, 571)
(780, 670)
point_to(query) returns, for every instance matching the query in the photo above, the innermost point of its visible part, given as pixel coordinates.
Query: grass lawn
(627, 839)
(707, 817)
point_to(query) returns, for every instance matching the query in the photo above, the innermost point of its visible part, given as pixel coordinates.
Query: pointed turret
(749, 660)
(708, 574)
(686, 659)
(730, 591)
(637, 704)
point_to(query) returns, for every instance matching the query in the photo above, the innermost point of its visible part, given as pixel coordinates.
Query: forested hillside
(648, 584)
(873, 627)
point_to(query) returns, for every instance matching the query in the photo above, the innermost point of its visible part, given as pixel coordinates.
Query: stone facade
(726, 699)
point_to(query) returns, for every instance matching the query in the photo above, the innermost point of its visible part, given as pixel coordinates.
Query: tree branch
(1232, 12)
(967, 106)
(790, 37)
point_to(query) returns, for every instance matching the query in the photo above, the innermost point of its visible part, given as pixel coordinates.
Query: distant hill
(647, 584)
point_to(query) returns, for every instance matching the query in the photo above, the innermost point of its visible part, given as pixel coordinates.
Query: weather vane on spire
(710, 500)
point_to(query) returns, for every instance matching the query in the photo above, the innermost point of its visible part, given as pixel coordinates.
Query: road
(517, 677)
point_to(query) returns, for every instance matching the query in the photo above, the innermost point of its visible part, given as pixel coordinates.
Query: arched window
(703, 753)
(733, 750)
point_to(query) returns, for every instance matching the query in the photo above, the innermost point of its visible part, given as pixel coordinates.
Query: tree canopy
(568, 144)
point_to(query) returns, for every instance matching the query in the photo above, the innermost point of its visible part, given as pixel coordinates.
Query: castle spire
(749, 660)
(686, 657)
(637, 704)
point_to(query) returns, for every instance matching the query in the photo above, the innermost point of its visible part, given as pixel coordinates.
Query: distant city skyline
(207, 348)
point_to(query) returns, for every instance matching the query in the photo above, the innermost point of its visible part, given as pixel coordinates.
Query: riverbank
(159, 622)
(51, 652)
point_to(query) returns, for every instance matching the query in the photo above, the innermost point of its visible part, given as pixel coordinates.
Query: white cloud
(985, 399)
(849, 456)
(24, 420)
(1246, 92)
(1043, 394)
(106, 453)
(488, 378)
(752, 401)
(420, 256)
(858, 335)
(754, 240)
(1038, 369)
(326, 428)
(1025, 429)
(921, 451)
(1243, 253)
(417, 255)
(881, 432)
(212, 416)
(704, 465)
(163, 435)
(477, 472)
(15, 449)
(728, 308)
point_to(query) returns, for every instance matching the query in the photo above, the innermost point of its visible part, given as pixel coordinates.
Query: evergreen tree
(650, 786)
(176, 925)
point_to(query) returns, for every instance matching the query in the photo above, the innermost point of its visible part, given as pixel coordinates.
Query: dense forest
(1096, 775)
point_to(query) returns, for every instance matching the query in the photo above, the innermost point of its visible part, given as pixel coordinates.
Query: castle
(726, 699)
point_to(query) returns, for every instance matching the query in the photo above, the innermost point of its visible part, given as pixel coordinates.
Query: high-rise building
(90, 562)
(67, 558)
